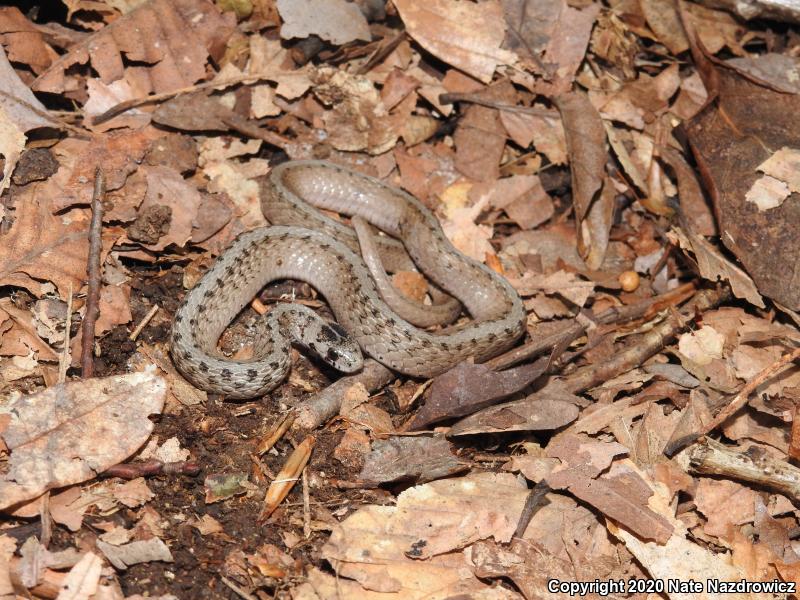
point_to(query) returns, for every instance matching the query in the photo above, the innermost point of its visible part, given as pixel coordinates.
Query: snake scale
(306, 245)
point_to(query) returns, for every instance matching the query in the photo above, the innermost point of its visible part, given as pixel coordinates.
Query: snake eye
(333, 355)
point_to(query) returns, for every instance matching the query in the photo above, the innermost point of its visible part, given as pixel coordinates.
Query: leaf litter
(630, 168)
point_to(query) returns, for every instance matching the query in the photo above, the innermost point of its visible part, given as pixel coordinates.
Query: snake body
(306, 245)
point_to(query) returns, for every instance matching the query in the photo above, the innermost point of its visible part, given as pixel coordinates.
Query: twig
(325, 404)
(221, 83)
(575, 330)
(143, 323)
(65, 359)
(740, 399)
(45, 115)
(644, 347)
(306, 506)
(533, 503)
(709, 457)
(236, 589)
(152, 467)
(93, 268)
(381, 53)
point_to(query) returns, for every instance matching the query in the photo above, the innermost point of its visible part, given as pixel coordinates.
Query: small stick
(221, 83)
(143, 323)
(93, 268)
(65, 359)
(236, 589)
(306, 506)
(709, 457)
(644, 309)
(152, 467)
(740, 399)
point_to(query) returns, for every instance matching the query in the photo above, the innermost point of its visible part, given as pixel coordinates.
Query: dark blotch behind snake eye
(332, 332)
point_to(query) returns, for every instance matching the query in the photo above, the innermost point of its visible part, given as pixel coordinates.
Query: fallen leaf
(71, 432)
(412, 459)
(172, 37)
(135, 553)
(465, 35)
(335, 21)
(83, 579)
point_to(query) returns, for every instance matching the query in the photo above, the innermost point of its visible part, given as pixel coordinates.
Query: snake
(303, 243)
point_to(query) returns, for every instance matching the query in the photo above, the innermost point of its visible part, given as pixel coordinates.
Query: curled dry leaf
(71, 432)
(463, 34)
(174, 36)
(28, 252)
(15, 117)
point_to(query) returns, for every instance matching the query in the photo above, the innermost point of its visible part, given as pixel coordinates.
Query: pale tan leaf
(335, 21)
(83, 579)
(463, 34)
(70, 432)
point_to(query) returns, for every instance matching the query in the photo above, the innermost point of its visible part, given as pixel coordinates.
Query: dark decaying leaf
(468, 387)
(550, 408)
(418, 459)
(730, 139)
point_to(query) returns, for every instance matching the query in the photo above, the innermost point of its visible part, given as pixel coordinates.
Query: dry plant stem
(287, 477)
(644, 347)
(134, 102)
(306, 507)
(245, 127)
(325, 405)
(236, 589)
(740, 399)
(709, 457)
(143, 323)
(151, 467)
(575, 330)
(65, 358)
(381, 53)
(277, 433)
(93, 268)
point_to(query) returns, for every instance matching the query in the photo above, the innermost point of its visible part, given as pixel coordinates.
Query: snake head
(339, 349)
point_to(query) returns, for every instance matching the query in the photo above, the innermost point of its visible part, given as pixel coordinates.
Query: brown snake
(308, 246)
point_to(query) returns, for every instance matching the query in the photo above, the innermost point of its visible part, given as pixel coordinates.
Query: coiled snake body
(308, 246)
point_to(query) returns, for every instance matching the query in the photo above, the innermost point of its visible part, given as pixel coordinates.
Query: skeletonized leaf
(71, 432)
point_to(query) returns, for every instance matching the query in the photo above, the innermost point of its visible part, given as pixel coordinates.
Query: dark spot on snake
(178, 318)
(208, 293)
(203, 367)
(176, 337)
(338, 329)
(274, 364)
(192, 321)
(279, 262)
(252, 374)
(391, 322)
(508, 330)
(201, 308)
(226, 374)
(219, 282)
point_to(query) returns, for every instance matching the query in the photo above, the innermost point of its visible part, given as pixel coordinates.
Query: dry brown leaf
(680, 558)
(462, 34)
(380, 546)
(42, 247)
(335, 21)
(18, 333)
(174, 36)
(412, 459)
(586, 137)
(23, 41)
(567, 47)
(71, 432)
(713, 266)
(724, 503)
